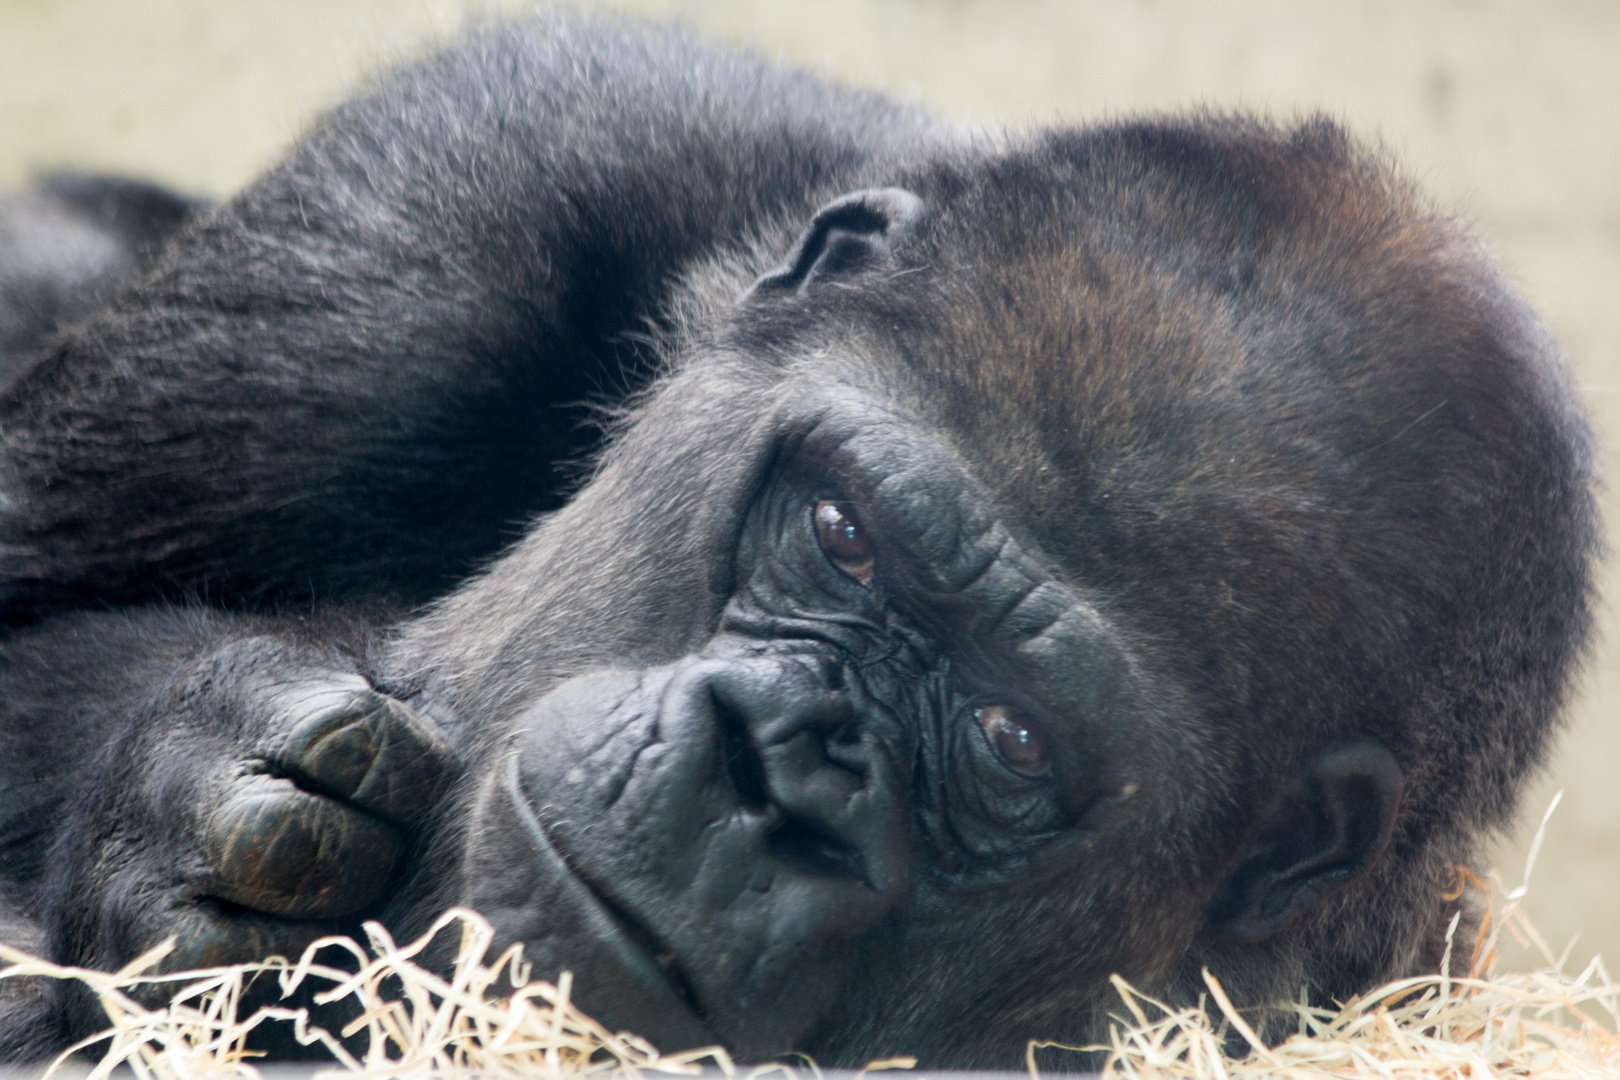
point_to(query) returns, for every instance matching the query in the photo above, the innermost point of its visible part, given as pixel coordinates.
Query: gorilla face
(903, 711)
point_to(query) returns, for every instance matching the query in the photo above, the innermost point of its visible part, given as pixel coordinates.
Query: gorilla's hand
(313, 825)
(254, 802)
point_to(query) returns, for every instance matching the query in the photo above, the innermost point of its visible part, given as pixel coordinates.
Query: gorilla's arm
(356, 376)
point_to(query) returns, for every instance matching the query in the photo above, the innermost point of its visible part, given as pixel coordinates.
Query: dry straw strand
(414, 1022)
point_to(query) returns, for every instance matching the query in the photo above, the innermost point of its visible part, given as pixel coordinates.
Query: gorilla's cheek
(741, 815)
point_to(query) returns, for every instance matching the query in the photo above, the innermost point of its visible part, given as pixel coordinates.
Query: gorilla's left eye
(847, 544)
(1022, 746)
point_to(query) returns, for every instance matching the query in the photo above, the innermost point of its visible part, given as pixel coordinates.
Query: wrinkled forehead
(1035, 372)
(875, 447)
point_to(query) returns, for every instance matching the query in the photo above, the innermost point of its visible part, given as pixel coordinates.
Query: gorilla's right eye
(1022, 746)
(846, 543)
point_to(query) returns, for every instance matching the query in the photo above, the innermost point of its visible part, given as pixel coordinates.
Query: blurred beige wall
(1510, 112)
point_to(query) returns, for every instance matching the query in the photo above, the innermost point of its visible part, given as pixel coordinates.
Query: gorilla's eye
(846, 543)
(1020, 745)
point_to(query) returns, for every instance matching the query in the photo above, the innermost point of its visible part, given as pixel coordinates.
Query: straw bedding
(1468, 1021)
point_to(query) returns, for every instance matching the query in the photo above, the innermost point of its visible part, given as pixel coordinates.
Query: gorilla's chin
(721, 828)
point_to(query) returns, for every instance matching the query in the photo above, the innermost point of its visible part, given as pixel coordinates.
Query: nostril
(741, 759)
(804, 844)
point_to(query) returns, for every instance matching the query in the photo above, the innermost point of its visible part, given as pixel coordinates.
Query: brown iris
(846, 542)
(1020, 745)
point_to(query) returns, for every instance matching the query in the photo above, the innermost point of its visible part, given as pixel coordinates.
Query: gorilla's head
(1132, 551)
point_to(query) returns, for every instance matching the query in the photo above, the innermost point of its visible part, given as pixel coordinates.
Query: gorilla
(834, 582)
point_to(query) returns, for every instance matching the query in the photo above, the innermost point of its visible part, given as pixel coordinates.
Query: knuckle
(273, 848)
(361, 746)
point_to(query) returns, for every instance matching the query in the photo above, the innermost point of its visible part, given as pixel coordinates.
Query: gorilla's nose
(797, 751)
(742, 813)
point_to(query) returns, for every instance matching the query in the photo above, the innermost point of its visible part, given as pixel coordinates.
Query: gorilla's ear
(850, 235)
(1324, 835)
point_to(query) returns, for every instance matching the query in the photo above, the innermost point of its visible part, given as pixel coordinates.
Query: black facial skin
(1130, 549)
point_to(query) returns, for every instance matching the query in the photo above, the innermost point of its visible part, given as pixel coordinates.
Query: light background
(1509, 112)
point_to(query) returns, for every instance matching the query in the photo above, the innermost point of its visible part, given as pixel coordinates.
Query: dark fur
(1203, 440)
